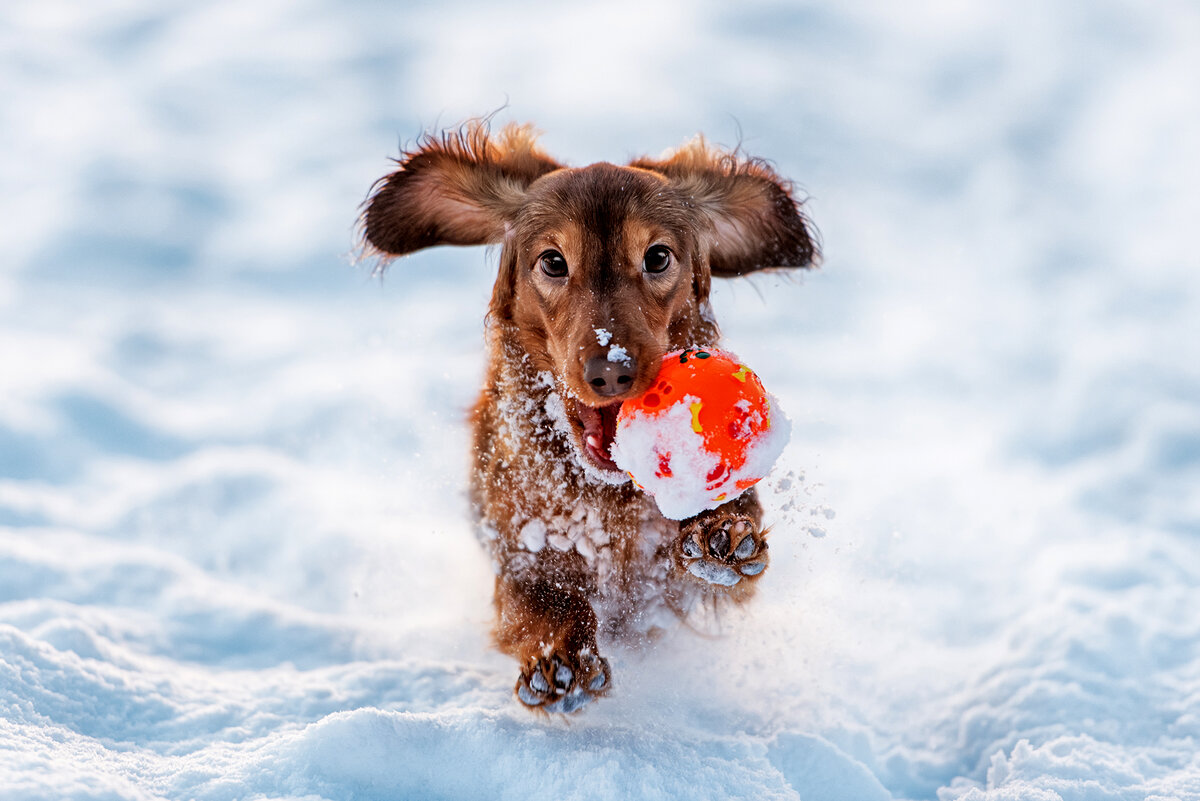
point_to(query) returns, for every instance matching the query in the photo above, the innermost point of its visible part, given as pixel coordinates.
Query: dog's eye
(657, 259)
(553, 264)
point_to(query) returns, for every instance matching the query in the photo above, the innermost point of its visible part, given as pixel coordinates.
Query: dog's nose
(608, 378)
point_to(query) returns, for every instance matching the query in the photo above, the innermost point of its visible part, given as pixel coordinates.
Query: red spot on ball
(664, 466)
(651, 400)
(717, 475)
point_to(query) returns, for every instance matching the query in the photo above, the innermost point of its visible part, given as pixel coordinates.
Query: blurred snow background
(234, 561)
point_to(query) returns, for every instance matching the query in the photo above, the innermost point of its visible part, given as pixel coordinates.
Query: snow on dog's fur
(593, 258)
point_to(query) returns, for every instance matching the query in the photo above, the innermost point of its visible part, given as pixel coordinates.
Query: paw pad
(551, 684)
(719, 561)
(745, 548)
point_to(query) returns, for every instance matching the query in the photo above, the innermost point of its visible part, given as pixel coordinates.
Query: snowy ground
(234, 561)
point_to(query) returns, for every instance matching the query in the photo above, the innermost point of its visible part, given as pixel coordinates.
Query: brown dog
(594, 258)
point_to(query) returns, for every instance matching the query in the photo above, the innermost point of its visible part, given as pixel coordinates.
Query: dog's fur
(581, 555)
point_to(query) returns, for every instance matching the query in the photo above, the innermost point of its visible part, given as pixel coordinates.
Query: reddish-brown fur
(582, 556)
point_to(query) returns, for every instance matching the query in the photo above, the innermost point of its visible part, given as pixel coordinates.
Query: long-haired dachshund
(593, 257)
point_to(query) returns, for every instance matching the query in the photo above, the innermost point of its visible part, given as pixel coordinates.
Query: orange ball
(729, 415)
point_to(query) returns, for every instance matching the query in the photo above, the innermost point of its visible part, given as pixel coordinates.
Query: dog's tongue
(599, 428)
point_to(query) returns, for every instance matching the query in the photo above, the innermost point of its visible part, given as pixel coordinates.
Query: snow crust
(234, 556)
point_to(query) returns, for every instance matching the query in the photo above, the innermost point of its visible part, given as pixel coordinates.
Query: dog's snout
(610, 378)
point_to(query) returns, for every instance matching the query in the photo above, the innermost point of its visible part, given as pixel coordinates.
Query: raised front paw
(722, 548)
(563, 683)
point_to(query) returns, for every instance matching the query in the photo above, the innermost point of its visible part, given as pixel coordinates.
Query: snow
(533, 535)
(618, 355)
(235, 557)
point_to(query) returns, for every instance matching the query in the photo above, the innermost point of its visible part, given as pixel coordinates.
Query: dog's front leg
(725, 546)
(544, 619)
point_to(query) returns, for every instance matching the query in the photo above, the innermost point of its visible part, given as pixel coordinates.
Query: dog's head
(604, 268)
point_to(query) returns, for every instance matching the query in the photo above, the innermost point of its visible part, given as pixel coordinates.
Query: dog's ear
(754, 221)
(459, 188)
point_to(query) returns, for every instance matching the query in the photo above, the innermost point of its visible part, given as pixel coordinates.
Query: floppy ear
(455, 189)
(754, 222)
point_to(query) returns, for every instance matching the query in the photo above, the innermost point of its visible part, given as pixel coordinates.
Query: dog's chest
(534, 493)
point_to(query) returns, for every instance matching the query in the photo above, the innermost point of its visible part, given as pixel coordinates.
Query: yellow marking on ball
(695, 407)
(740, 375)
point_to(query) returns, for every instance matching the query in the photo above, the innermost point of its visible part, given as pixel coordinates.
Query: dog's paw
(722, 548)
(563, 684)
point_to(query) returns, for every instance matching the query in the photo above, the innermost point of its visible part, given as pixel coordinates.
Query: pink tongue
(599, 427)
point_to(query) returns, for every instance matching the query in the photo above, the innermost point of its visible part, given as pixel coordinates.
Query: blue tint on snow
(109, 429)
(236, 559)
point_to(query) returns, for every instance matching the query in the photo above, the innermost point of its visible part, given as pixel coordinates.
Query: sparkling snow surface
(234, 556)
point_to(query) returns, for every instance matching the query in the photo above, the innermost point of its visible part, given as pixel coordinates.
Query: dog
(592, 257)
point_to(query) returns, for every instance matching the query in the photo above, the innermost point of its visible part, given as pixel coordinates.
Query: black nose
(607, 378)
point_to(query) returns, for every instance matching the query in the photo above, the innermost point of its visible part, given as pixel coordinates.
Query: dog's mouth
(599, 428)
